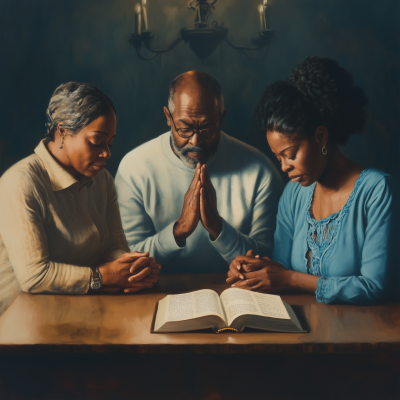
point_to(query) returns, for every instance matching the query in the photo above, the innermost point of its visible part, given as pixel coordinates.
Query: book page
(271, 305)
(207, 302)
(238, 302)
(180, 307)
(193, 305)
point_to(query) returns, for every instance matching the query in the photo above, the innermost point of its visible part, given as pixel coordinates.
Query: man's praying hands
(190, 215)
(209, 215)
(200, 203)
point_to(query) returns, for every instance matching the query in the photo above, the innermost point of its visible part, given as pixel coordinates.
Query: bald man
(194, 197)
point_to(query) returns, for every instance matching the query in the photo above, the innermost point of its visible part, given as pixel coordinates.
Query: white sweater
(151, 184)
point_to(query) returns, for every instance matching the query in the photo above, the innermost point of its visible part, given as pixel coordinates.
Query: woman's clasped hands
(259, 274)
(131, 272)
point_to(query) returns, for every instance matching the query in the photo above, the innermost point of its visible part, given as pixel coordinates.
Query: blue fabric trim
(333, 223)
(322, 288)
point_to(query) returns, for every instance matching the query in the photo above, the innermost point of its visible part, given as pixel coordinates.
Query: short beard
(208, 152)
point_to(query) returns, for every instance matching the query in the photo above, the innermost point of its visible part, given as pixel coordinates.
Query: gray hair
(75, 105)
(205, 80)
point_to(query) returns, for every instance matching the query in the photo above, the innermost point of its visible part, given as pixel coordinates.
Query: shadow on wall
(92, 46)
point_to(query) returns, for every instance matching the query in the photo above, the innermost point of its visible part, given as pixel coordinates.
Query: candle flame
(138, 8)
(260, 8)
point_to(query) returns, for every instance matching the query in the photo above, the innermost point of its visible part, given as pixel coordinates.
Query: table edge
(316, 348)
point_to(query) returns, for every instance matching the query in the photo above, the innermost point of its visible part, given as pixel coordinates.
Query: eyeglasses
(206, 134)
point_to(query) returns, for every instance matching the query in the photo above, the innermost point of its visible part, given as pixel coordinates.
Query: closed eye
(98, 145)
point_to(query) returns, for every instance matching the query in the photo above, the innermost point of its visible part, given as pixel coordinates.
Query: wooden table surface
(114, 323)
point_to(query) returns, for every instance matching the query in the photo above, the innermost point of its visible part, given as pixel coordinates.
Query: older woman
(337, 225)
(60, 225)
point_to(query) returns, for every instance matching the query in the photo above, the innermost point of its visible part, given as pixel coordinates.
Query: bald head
(195, 114)
(197, 86)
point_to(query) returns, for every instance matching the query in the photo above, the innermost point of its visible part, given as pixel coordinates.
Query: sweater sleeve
(231, 242)
(283, 238)
(378, 279)
(138, 225)
(25, 239)
(117, 245)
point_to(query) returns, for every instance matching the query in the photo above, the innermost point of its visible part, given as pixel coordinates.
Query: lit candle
(265, 14)
(138, 19)
(261, 11)
(145, 14)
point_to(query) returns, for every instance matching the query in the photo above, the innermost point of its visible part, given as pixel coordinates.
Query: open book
(233, 310)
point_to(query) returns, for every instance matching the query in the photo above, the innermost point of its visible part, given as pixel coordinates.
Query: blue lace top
(321, 233)
(354, 251)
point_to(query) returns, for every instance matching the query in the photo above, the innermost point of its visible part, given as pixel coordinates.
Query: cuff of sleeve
(322, 291)
(79, 282)
(227, 240)
(167, 242)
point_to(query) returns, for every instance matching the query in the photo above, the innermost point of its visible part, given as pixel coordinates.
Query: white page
(207, 303)
(180, 307)
(270, 305)
(238, 302)
(193, 305)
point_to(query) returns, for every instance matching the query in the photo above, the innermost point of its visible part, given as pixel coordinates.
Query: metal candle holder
(203, 39)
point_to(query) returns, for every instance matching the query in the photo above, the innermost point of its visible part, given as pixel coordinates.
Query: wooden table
(119, 326)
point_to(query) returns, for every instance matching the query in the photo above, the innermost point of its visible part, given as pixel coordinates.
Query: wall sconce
(203, 39)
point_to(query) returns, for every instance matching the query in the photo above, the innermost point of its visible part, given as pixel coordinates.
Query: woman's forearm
(303, 282)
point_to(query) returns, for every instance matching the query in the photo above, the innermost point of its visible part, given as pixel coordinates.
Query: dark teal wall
(47, 42)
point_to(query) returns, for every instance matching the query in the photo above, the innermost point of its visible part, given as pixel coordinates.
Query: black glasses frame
(198, 131)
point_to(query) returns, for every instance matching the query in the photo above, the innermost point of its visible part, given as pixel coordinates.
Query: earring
(324, 151)
(62, 142)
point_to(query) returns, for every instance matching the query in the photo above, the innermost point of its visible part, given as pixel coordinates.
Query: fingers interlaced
(251, 263)
(232, 279)
(133, 256)
(235, 269)
(138, 264)
(140, 275)
(252, 267)
(246, 284)
(155, 266)
(150, 279)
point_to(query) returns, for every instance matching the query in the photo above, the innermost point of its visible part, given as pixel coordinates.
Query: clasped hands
(200, 204)
(259, 274)
(131, 272)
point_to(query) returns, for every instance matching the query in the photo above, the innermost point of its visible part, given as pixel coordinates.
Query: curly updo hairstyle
(75, 105)
(317, 93)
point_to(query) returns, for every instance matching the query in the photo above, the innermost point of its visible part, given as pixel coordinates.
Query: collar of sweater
(60, 179)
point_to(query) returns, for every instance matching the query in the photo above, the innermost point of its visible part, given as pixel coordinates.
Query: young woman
(337, 225)
(60, 227)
